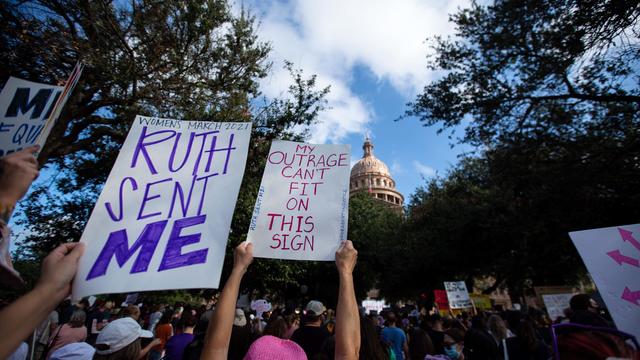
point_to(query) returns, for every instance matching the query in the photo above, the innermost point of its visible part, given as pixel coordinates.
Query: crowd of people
(158, 331)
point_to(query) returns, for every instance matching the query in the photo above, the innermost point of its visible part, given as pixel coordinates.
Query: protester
(526, 344)
(20, 318)
(72, 332)
(371, 345)
(132, 311)
(17, 172)
(120, 339)
(74, 351)
(481, 341)
(241, 336)
(175, 346)
(312, 335)
(347, 323)
(155, 317)
(395, 337)
(419, 342)
(163, 331)
(435, 331)
(585, 310)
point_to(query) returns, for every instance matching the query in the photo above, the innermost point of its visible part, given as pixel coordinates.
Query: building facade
(372, 175)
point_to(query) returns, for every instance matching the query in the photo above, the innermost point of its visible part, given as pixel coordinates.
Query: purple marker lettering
(204, 140)
(173, 256)
(204, 190)
(134, 186)
(146, 198)
(141, 147)
(186, 154)
(118, 245)
(212, 150)
(178, 190)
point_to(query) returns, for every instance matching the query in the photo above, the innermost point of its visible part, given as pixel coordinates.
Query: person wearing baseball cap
(311, 336)
(120, 339)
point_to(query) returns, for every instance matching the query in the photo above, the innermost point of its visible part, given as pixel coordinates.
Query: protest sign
(441, 299)
(25, 107)
(163, 217)
(612, 256)
(481, 301)
(556, 304)
(301, 212)
(374, 306)
(28, 111)
(457, 294)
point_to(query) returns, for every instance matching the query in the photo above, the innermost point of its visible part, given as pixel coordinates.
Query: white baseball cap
(74, 351)
(315, 307)
(118, 334)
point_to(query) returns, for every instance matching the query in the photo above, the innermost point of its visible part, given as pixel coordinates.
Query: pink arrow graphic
(620, 259)
(627, 236)
(631, 296)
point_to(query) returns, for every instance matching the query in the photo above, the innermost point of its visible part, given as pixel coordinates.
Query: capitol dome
(372, 175)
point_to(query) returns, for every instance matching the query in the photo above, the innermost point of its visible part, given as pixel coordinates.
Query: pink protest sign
(163, 217)
(612, 258)
(301, 212)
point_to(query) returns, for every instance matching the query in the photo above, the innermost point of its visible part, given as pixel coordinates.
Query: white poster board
(612, 258)
(25, 107)
(556, 304)
(301, 212)
(457, 294)
(163, 217)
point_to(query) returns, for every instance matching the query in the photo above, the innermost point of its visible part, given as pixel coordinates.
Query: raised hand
(17, 172)
(346, 257)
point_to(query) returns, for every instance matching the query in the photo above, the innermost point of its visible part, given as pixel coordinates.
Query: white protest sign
(556, 304)
(28, 111)
(25, 107)
(612, 256)
(163, 217)
(457, 294)
(301, 212)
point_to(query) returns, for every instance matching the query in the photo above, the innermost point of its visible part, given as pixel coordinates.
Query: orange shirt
(163, 332)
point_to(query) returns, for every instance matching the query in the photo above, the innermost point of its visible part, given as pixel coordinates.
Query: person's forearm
(145, 351)
(347, 320)
(18, 320)
(219, 331)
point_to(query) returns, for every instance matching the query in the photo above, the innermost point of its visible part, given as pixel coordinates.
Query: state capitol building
(372, 175)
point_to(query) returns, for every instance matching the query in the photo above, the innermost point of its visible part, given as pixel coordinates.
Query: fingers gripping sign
(59, 268)
(346, 257)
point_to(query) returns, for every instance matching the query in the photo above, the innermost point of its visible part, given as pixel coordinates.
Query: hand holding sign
(59, 268)
(243, 256)
(346, 257)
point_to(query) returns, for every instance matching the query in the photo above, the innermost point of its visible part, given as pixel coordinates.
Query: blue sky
(373, 54)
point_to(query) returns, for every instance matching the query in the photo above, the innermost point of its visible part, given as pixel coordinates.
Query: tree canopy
(549, 93)
(534, 68)
(195, 60)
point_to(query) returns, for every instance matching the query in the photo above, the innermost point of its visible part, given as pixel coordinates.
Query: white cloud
(396, 168)
(424, 170)
(331, 37)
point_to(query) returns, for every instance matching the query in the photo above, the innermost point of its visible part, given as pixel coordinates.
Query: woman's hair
(370, 344)
(129, 352)
(166, 317)
(497, 327)
(132, 311)
(276, 327)
(526, 330)
(77, 319)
